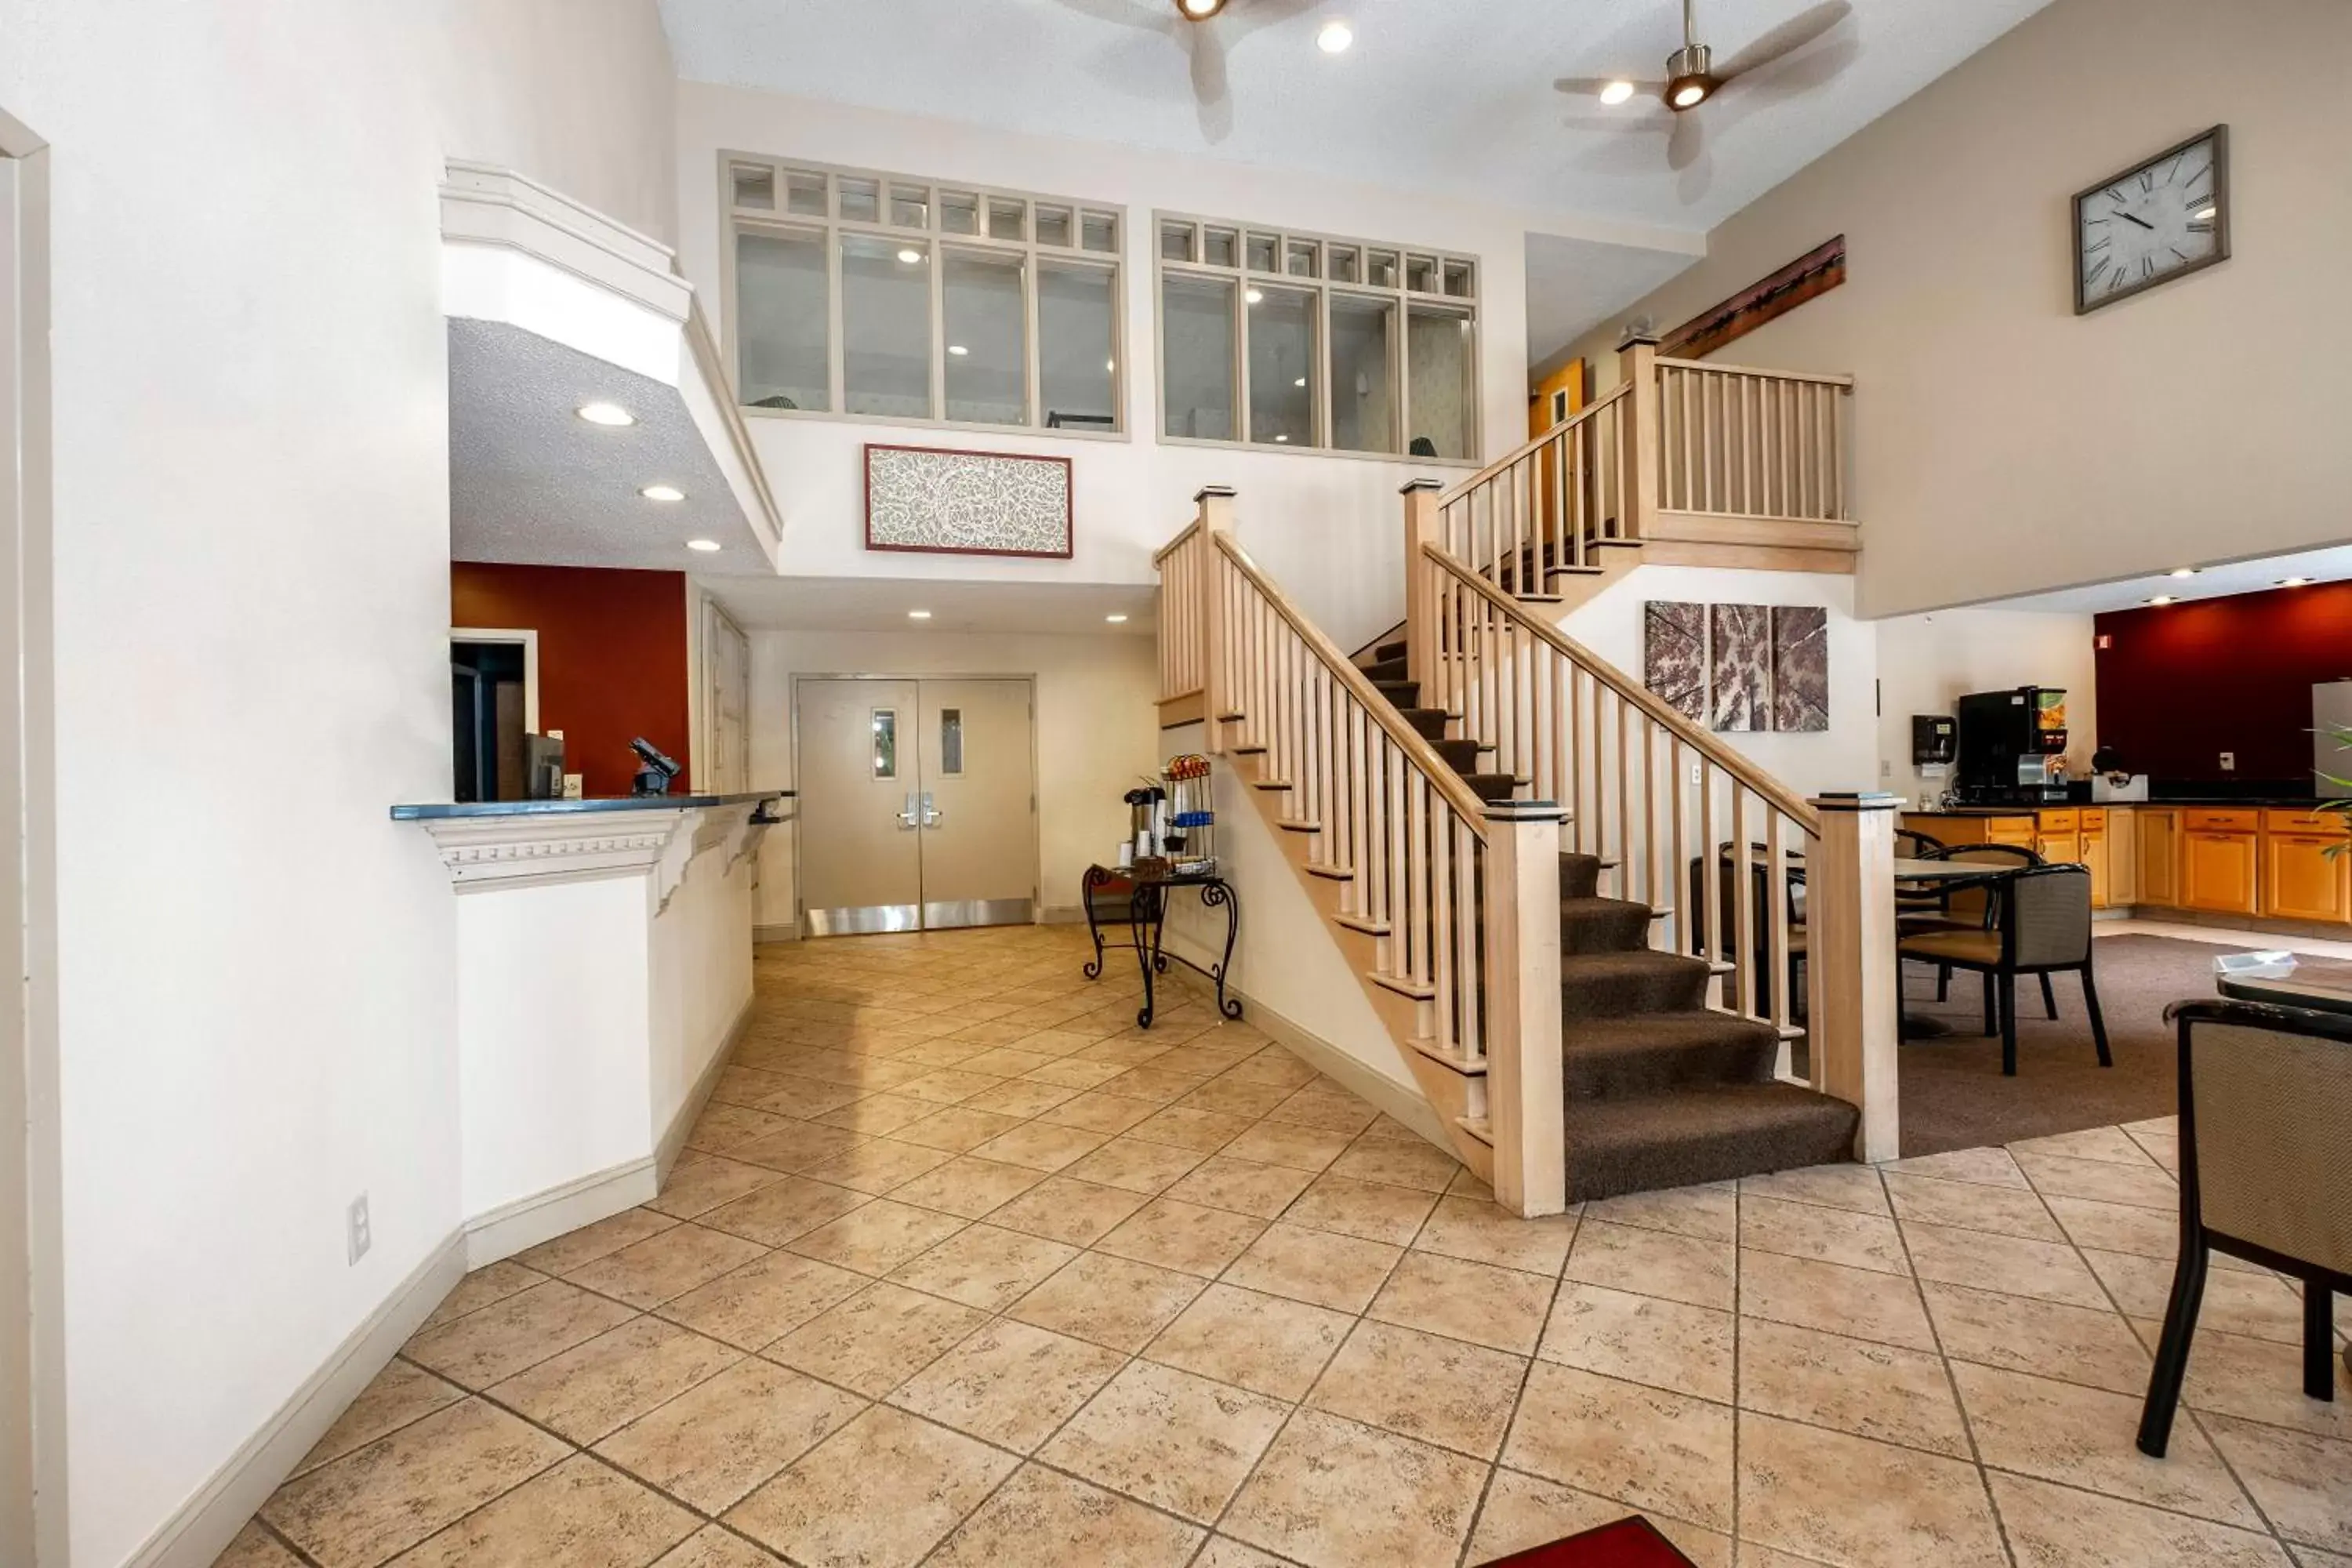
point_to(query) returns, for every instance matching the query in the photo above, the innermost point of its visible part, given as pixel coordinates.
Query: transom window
(886, 296)
(1271, 337)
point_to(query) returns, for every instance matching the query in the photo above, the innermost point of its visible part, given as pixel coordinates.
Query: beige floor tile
(1987, 1167)
(1641, 1338)
(1441, 1391)
(880, 1166)
(1320, 1266)
(956, 1129)
(1041, 1520)
(1829, 1296)
(967, 1187)
(1224, 1551)
(1824, 1235)
(1070, 1072)
(1523, 1512)
(873, 1342)
(1315, 1106)
(763, 1300)
(1017, 1097)
(1010, 1383)
(2119, 1227)
(720, 1128)
(821, 1510)
(2016, 1334)
(494, 1282)
(1134, 1165)
(254, 1547)
(1275, 1065)
(1183, 1127)
(1855, 1385)
(1095, 1111)
(2299, 1480)
(1187, 1237)
(2060, 1527)
(1333, 1493)
(2046, 1270)
(775, 1215)
(1652, 1263)
(806, 1099)
(878, 1237)
(1168, 1438)
(2111, 1144)
(798, 1146)
(879, 1113)
(2103, 1181)
(1063, 1209)
(1007, 1061)
(1375, 1211)
(2254, 1380)
(2313, 1557)
(707, 1183)
(949, 1084)
(662, 1267)
(1476, 1229)
(2083, 1437)
(401, 1392)
(1846, 1186)
(1269, 1344)
(1243, 1186)
(712, 1445)
(1710, 1213)
(1403, 1162)
(581, 1513)
(1042, 1147)
(590, 1242)
(1154, 1081)
(596, 1389)
(1502, 1309)
(1659, 1451)
(1109, 1302)
(1972, 1205)
(2260, 1306)
(376, 1502)
(1850, 1502)
(485, 1347)
(984, 1265)
(1232, 1095)
(1285, 1143)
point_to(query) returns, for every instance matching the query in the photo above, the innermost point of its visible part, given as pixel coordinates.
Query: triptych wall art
(1739, 668)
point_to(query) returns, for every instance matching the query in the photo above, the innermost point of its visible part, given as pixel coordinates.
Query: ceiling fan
(1205, 30)
(1767, 68)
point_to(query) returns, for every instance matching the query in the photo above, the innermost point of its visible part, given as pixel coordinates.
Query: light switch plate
(2229, 761)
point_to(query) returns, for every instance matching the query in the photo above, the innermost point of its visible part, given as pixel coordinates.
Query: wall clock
(2154, 222)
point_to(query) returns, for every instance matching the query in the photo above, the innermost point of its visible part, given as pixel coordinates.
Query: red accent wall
(2183, 683)
(611, 657)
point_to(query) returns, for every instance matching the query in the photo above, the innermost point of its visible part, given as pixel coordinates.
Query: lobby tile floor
(963, 1270)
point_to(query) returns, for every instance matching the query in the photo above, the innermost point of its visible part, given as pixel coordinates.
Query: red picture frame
(1069, 504)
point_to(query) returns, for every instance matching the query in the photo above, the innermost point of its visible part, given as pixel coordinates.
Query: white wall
(1328, 528)
(1927, 662)
(255, 986)
(1097, 731)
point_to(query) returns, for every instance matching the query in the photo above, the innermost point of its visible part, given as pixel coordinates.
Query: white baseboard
(790, 930)
(673, 1138)
(542, 1217)
(1404, 1103)
(202, 1528)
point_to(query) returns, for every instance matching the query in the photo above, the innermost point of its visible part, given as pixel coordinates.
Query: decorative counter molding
(538, 843)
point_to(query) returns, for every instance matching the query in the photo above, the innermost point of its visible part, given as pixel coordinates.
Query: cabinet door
(2060, 848)
(2300, 881)
(2159, 858)
(2095, 856)
(2218, 872)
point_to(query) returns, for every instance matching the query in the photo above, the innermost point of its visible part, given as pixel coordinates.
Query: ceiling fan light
(1616, 92)
(1688, 93)
(1199, 10)
(1690, 77)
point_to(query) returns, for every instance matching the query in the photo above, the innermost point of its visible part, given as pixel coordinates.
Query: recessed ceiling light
(2182, 572)
(706, 545)
(1254, 297)
(958, 349)
(1335, 38)
(919, 615)
(2293, 581)
(1116, 620)
(910, 255)
(611, 413)
(2161, 599)
(662, 492)
(1616, 92)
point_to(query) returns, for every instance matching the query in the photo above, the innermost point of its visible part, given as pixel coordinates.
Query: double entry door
(917, 804)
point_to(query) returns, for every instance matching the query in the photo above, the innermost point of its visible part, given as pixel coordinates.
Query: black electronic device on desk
(654, 776)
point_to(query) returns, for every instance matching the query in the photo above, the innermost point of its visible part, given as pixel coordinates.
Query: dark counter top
(2248, 802)
(431, 813)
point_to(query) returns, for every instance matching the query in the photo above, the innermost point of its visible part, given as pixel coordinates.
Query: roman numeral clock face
(2165, 218)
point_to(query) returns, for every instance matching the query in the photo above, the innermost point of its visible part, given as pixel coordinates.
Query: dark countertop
(431, 813)
(2250, 803)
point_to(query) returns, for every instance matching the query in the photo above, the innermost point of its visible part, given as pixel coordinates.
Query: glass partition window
(1316, 342)
(886, 296)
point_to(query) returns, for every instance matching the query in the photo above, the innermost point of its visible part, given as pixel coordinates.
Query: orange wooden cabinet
(2305, 874)
(2220, 866)
(2160, 856)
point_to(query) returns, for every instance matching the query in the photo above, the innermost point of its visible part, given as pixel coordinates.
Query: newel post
(1216, 514)
(1421, 527)
(1525, 1111)
(1854, 980)
(1640, 432)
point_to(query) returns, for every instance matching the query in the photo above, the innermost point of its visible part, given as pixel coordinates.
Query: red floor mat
(1628, 1543)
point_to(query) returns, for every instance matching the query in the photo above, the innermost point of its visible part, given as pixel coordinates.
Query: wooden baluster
(1710, 890)
(1855, 987)
(1743, 900)
(1675, 930)
(1442, 921)
(1649, 812)
(1776, 927)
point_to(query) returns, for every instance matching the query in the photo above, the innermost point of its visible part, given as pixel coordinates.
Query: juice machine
(2012, 749)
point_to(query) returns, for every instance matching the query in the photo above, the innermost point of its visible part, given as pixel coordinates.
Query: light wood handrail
(1503, 465)
(1165, 551)
(1408, 740)
(1708, 364)
(1763, 785)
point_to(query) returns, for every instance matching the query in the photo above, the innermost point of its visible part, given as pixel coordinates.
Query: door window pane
(1197, 350)
(1282, 367)
(885, 743)
(950, 741)
(885, 326)
(1363, 374)
(1443, 399)
(988, 361)
(782, 321)
(1076, 346)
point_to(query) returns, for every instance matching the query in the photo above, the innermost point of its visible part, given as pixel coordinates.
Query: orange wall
(611, 657)
(1570, 377)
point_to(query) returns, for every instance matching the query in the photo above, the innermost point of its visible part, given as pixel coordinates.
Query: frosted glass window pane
(885, 324)
(1197, 337)
(1282, 367)
(1076, 348)
(1363, 374)
(987, 360)
(885, 743)
(1444, 397)
(951, 742)
(782, 337)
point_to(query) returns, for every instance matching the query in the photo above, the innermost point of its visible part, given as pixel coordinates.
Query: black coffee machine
(2014, 747)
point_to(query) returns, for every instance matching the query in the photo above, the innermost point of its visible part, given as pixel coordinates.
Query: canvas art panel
(1801, 668)
(966, 503)
(1739, 668)
(1674, 656)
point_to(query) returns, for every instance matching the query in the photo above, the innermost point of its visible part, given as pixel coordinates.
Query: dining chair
(2266, 1096)
(1970, 908)
(2041, 926)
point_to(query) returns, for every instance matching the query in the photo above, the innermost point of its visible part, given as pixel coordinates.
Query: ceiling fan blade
(1789, 78)
(1125, 13)
(1688, 143)
(1787, 38)
(1212, 95)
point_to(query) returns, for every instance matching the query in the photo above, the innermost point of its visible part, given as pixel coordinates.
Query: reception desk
(604, 969)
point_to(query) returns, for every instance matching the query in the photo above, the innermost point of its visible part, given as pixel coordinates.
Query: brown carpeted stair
(1662, 1090)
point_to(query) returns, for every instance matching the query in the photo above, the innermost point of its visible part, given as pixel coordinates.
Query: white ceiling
(1574, 285)
(1451, 95)
(2211, 582)
(530, 481)
(880, 604)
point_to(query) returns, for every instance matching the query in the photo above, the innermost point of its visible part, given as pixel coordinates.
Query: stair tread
(1633, 963)
(1707, 1132)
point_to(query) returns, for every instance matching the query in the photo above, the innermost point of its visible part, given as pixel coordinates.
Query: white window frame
(1322, 287)
(832, 228)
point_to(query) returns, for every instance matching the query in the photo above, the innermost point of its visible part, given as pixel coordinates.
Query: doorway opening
(918, 802)
(493, 713)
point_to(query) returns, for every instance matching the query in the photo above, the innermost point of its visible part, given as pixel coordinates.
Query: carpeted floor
(1954, 1096)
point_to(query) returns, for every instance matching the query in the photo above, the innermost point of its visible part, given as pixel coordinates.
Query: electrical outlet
(358, 1238)
(2229, 761)
(1886, 769)
(1695, 772)
(574, 785)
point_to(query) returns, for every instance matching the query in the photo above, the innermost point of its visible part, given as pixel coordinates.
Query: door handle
(931, 814)
(907, 817)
